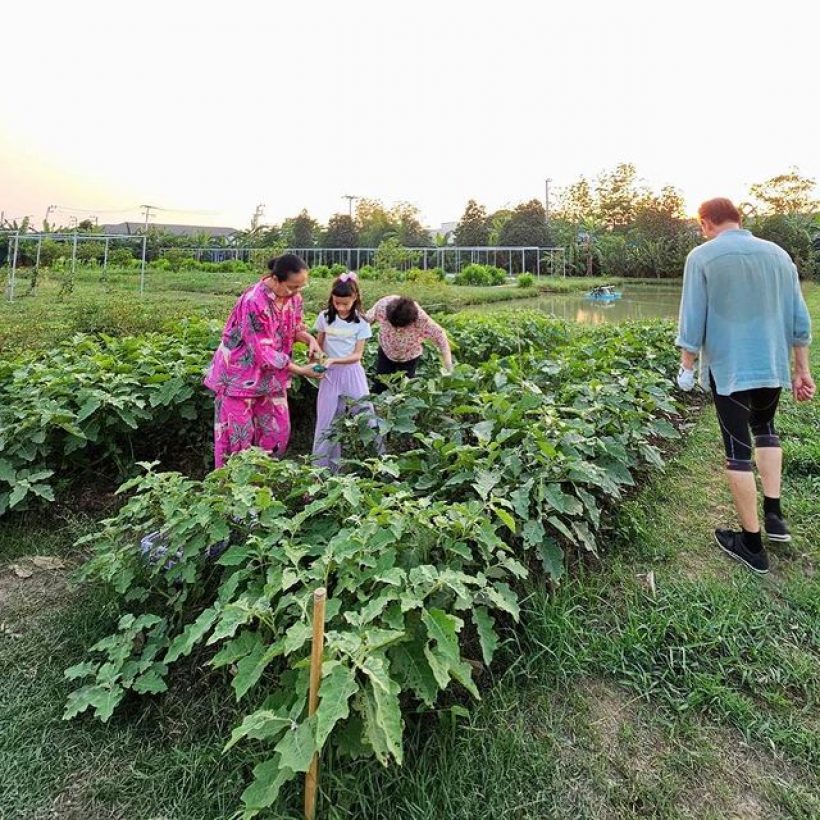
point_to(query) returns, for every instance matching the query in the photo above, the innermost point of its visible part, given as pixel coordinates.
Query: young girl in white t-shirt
(341, 332)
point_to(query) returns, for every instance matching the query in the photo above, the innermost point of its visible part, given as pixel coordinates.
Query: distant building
(445, 229)
(135, 228)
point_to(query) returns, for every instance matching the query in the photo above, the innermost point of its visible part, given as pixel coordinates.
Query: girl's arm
(355, 356)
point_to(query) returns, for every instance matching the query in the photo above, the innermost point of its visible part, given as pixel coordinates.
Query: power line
(67, 209)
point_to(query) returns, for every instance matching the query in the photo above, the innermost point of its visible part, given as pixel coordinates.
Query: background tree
(527, 225)
(575, 203)
(788, 193)
(301, 231)
(473, 229)
(497, 220)
(662, 215)
(410, 231)
(374, 223)
(341, 232)
(271, 236)
(618, 196)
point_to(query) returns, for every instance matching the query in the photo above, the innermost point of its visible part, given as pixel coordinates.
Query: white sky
(217, 106)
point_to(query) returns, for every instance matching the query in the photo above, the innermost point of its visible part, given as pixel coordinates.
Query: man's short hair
(719, 210)
(402, 312)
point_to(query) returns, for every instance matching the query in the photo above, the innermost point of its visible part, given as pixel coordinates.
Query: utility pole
(257, 216)
(547, 200)
(147, 211)
(349, 198)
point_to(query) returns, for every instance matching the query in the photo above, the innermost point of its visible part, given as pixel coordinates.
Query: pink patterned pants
(239, 423)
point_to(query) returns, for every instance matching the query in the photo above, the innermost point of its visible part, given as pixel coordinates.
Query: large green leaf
(443, 652)
(268, 779)
(385, 717)
(263, 724)
(561, 501)
(552, 557)
(103, 699)
(297, 746)
(251, 667)
(192, 634)
(336, 689)
(487, 637)
(410, 667)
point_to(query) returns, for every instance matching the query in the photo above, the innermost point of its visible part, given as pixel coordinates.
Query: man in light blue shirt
(742, 311)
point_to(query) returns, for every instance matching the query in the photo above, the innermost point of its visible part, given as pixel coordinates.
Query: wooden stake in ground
(312, 776)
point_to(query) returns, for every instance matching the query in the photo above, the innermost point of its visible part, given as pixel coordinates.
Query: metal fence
(536, 260)
(35, 241)
(550, 261)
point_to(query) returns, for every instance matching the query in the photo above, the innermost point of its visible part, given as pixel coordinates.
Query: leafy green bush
(176, 258)
(234, 266)
(793, 234)
(526, 280)
(392, 255)
(121, 258)
(487, 469)
(430, 276)
(320, 272)
(51, 251)
(482, 275)
(97, 395)
(337, 269)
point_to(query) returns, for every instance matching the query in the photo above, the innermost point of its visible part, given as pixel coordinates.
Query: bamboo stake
(317, 648)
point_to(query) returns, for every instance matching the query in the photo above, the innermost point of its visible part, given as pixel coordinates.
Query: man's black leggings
(742, 415)
(385, 366)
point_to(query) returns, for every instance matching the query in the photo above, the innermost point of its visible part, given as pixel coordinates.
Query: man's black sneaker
(732, 544)
(776, 527)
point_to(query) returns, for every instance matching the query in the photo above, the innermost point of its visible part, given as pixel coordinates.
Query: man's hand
(686, 378)
(803, 387)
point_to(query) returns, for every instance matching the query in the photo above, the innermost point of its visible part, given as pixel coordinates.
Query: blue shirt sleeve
(692, 317)
(363, 330)
(801, 328)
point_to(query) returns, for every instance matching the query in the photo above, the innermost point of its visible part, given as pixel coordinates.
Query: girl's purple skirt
(341, 383)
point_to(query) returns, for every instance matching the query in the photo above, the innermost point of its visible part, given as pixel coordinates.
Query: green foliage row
(506, 461)
(482, 275)
(92, 401)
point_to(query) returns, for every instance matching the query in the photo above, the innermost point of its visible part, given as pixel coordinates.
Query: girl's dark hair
(402, 312)
(345, 288)
(284, 266)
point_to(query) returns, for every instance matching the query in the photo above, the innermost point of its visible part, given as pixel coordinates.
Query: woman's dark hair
(402, 312)
(284, 266)
(345, 288)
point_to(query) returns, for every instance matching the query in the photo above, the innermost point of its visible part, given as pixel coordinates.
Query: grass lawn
(691, 692)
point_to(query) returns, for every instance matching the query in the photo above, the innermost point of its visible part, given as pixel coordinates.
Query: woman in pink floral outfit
(251, 369)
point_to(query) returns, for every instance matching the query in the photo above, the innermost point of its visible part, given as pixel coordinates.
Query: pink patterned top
(401, 344)
(256, 347)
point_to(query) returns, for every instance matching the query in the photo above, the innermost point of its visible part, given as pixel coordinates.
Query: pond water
(639, 301)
